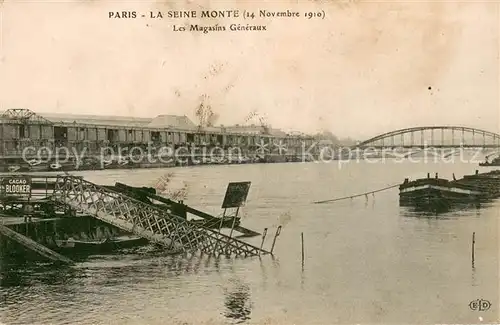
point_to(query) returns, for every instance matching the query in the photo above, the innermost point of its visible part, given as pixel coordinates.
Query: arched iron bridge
(434, 136)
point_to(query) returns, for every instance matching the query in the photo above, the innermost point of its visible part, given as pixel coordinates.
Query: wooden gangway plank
(33, 245)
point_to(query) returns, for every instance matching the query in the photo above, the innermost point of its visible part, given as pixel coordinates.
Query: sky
(365, 69)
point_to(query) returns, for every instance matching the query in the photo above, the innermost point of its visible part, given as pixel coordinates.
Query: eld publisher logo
(480, 305)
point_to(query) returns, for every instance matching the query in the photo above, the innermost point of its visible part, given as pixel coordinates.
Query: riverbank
(13, 165)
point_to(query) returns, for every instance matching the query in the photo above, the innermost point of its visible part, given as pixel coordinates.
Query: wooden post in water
(302, 240)
(278, 231)
(220, 229)
(234, 222)
(221, 220)
(263, 238)
(473, 247)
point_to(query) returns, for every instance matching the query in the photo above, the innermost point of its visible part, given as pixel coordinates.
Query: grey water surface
(367, 260)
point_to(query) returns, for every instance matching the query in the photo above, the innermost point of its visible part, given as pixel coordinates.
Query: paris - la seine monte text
(233, 20)
(217, 14)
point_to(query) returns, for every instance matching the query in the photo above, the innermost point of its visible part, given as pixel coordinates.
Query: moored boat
(74, 246)
(14, 168)
(62, 166)
(487, 182)
(36, 165)
(437, 193)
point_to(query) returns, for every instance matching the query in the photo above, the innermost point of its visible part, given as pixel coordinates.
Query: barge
(437, 194)
(53, 142)
(494, 162)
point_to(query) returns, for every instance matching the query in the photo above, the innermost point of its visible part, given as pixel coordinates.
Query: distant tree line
(327, 135)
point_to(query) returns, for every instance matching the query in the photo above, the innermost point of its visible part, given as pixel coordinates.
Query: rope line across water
(357, 195)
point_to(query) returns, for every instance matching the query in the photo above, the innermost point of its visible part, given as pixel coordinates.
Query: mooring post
(473, 247)
(302, 240)
(278, 231)
(263, 238)
(220, 229)
(221, 220)
(232, 227)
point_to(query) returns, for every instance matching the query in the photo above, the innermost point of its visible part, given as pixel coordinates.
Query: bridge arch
(492, 137)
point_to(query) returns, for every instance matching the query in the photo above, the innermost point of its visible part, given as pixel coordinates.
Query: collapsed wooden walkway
(33, 245)
(159, 226)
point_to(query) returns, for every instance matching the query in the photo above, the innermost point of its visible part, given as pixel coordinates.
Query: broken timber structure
(130, 209)
(33, 245)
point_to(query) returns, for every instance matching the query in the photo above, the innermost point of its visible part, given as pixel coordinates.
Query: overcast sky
(363, 70)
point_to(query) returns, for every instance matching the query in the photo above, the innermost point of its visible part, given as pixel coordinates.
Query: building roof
(172, 121)
(23, 114)
(255, 129)
(277, 132)
(97, 119)
(250, 129)
(159, 122)
(215, 129)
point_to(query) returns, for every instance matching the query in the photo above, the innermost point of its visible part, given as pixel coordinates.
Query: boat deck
(436, 192)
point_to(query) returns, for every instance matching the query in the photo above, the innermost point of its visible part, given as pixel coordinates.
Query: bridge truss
(434, 136)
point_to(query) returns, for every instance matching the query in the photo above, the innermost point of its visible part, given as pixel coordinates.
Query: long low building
(22, 128)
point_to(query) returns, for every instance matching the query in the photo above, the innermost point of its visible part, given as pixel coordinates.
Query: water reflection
(473, 276)
(264, 273)
(465, 209)
(237, 302)
(16, 274)
(108, 270)
(144, 268)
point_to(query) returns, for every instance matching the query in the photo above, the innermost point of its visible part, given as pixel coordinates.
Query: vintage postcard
(249, 162)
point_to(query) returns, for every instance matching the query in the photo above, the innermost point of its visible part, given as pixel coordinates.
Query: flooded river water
(366, 260)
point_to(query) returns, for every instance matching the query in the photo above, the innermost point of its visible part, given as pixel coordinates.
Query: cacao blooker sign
(16, 185)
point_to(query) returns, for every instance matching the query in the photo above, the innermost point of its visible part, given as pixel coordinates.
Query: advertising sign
(16, 186)
(236, 194)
